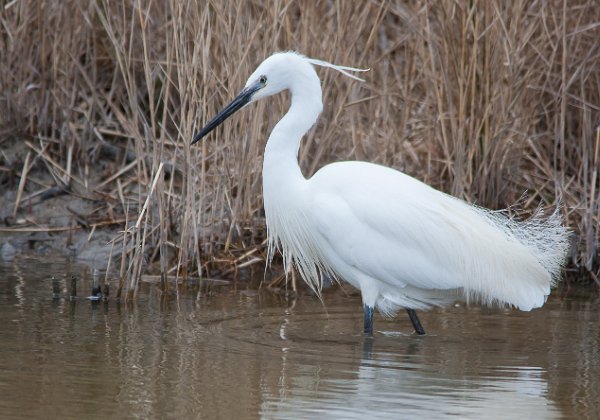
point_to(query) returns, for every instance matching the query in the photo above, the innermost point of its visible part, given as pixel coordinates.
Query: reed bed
(495, 102)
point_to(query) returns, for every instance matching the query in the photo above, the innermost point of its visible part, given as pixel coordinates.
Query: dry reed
(487, 100)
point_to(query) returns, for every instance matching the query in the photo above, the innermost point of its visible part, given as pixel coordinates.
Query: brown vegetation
(487, 100)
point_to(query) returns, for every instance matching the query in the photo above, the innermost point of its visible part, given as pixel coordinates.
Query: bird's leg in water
(368, 320)
(415, 321)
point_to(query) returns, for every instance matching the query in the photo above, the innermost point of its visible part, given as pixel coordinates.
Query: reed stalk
(487, 100)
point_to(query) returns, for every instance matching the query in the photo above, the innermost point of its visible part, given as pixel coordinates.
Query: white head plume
(342, 69)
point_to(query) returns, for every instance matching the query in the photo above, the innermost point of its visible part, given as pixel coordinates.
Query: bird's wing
(386, 224)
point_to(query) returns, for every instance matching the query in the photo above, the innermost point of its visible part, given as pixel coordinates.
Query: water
(240, 353)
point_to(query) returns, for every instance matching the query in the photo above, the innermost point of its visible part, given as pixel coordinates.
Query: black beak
(239, 102)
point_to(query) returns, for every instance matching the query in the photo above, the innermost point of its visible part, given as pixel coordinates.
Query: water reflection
(387, 390)
(241, 354)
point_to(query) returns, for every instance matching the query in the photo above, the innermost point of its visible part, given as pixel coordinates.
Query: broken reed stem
(124, 259)
(148, 198)
(115, 222)
(22, 181)
(163, 235)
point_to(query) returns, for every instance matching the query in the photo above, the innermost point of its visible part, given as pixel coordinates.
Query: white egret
(401, 242)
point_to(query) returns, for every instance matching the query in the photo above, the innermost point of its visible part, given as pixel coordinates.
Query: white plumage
(401, 242)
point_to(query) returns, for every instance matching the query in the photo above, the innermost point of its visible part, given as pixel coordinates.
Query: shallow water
(246, 354)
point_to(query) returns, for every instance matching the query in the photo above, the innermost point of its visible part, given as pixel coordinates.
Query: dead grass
(487, 100)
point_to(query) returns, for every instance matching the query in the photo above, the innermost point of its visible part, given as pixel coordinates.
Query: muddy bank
(45, 215)
(60, 226)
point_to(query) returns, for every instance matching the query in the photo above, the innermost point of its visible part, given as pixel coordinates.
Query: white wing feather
(387, 230)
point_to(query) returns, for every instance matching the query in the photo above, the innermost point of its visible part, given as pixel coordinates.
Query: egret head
(278, 72)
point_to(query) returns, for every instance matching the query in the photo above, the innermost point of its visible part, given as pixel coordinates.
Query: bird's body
(400, 251)
(401, 242)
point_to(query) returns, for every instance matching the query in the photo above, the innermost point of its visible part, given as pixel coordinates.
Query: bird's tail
(546, 237)
(524, 284)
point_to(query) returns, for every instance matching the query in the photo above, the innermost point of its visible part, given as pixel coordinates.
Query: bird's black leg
(368, 320)
(415, 321)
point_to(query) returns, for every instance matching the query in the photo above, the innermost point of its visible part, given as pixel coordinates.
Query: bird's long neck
(283, 182)
(280, 165)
